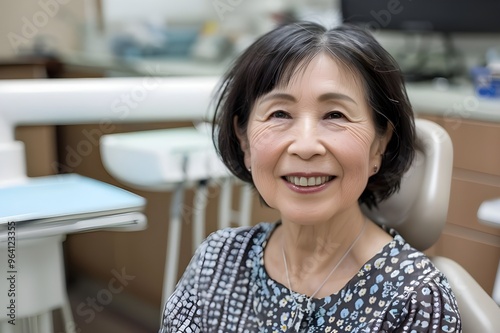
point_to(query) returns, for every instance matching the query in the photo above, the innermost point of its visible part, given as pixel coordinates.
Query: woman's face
(312, 145)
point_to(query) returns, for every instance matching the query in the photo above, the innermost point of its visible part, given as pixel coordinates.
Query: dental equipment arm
(102, 100)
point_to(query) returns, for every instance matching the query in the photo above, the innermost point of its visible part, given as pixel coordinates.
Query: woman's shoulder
(401, 252)
(413, 286)
(405, 267)
(426, 279)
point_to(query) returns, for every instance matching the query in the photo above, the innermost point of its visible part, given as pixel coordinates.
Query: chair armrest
(478, 310)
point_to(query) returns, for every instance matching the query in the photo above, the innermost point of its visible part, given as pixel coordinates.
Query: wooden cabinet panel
(466, 197)
(479, 259)
(40, 148)
(476, 145)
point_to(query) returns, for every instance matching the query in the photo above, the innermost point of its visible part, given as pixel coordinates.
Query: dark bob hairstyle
(275, 57)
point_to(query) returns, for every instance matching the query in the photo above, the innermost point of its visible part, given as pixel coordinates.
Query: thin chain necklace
(308, 310)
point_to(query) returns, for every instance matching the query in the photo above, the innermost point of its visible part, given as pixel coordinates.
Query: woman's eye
(280, 114)
(334, 115)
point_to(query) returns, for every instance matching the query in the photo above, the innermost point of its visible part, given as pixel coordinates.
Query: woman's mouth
(308, 181)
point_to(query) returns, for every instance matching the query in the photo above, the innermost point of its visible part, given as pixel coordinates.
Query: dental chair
(174, 160)
(418, 212)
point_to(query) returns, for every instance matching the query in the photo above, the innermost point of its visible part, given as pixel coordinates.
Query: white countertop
(159, 66)
(453, 101)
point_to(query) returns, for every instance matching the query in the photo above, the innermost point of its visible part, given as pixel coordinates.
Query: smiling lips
(308, 181)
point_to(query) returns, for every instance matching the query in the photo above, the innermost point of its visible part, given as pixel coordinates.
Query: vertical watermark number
(11, 272)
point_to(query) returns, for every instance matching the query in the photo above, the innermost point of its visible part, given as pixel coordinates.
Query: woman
(319, 121)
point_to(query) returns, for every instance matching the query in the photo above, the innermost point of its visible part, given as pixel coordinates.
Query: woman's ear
(378, 150)
(243, 141)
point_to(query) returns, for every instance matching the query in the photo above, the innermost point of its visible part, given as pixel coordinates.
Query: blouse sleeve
(181, 312)
(431, 307)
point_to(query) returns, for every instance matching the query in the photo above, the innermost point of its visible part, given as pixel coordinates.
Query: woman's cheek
(361, 133)
(261, 137)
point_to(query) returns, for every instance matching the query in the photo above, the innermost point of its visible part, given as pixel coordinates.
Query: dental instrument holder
(174, 160)
(66, 102)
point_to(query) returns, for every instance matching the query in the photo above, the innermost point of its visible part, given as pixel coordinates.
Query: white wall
(57, 22)
(64, 24)
(129, 10)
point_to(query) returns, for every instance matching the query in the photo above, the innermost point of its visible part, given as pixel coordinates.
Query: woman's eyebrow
(322, 98)
(335, 96)
(277, 95)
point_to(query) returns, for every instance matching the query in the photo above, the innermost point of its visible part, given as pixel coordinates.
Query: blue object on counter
(485, 82)
(63, 197)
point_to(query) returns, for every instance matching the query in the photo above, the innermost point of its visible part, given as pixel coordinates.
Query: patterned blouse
(226, 289)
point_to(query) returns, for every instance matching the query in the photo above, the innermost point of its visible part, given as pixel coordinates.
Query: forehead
(332, 72)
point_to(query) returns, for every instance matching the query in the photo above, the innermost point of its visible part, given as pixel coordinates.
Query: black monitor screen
(481, 16)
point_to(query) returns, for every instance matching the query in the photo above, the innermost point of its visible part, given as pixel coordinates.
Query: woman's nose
(306, 141)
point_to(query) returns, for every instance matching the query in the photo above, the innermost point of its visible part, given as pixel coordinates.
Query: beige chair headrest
(419, 210)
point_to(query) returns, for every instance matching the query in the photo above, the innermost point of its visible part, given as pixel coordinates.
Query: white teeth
(308, 181)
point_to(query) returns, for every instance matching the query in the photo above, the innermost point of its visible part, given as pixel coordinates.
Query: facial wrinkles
(361, 141)
(355, 173)
(262, 133)
(262, 136)
(361, 135)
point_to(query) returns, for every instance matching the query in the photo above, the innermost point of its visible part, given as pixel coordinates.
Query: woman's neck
(312, 252)
(321, 242)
